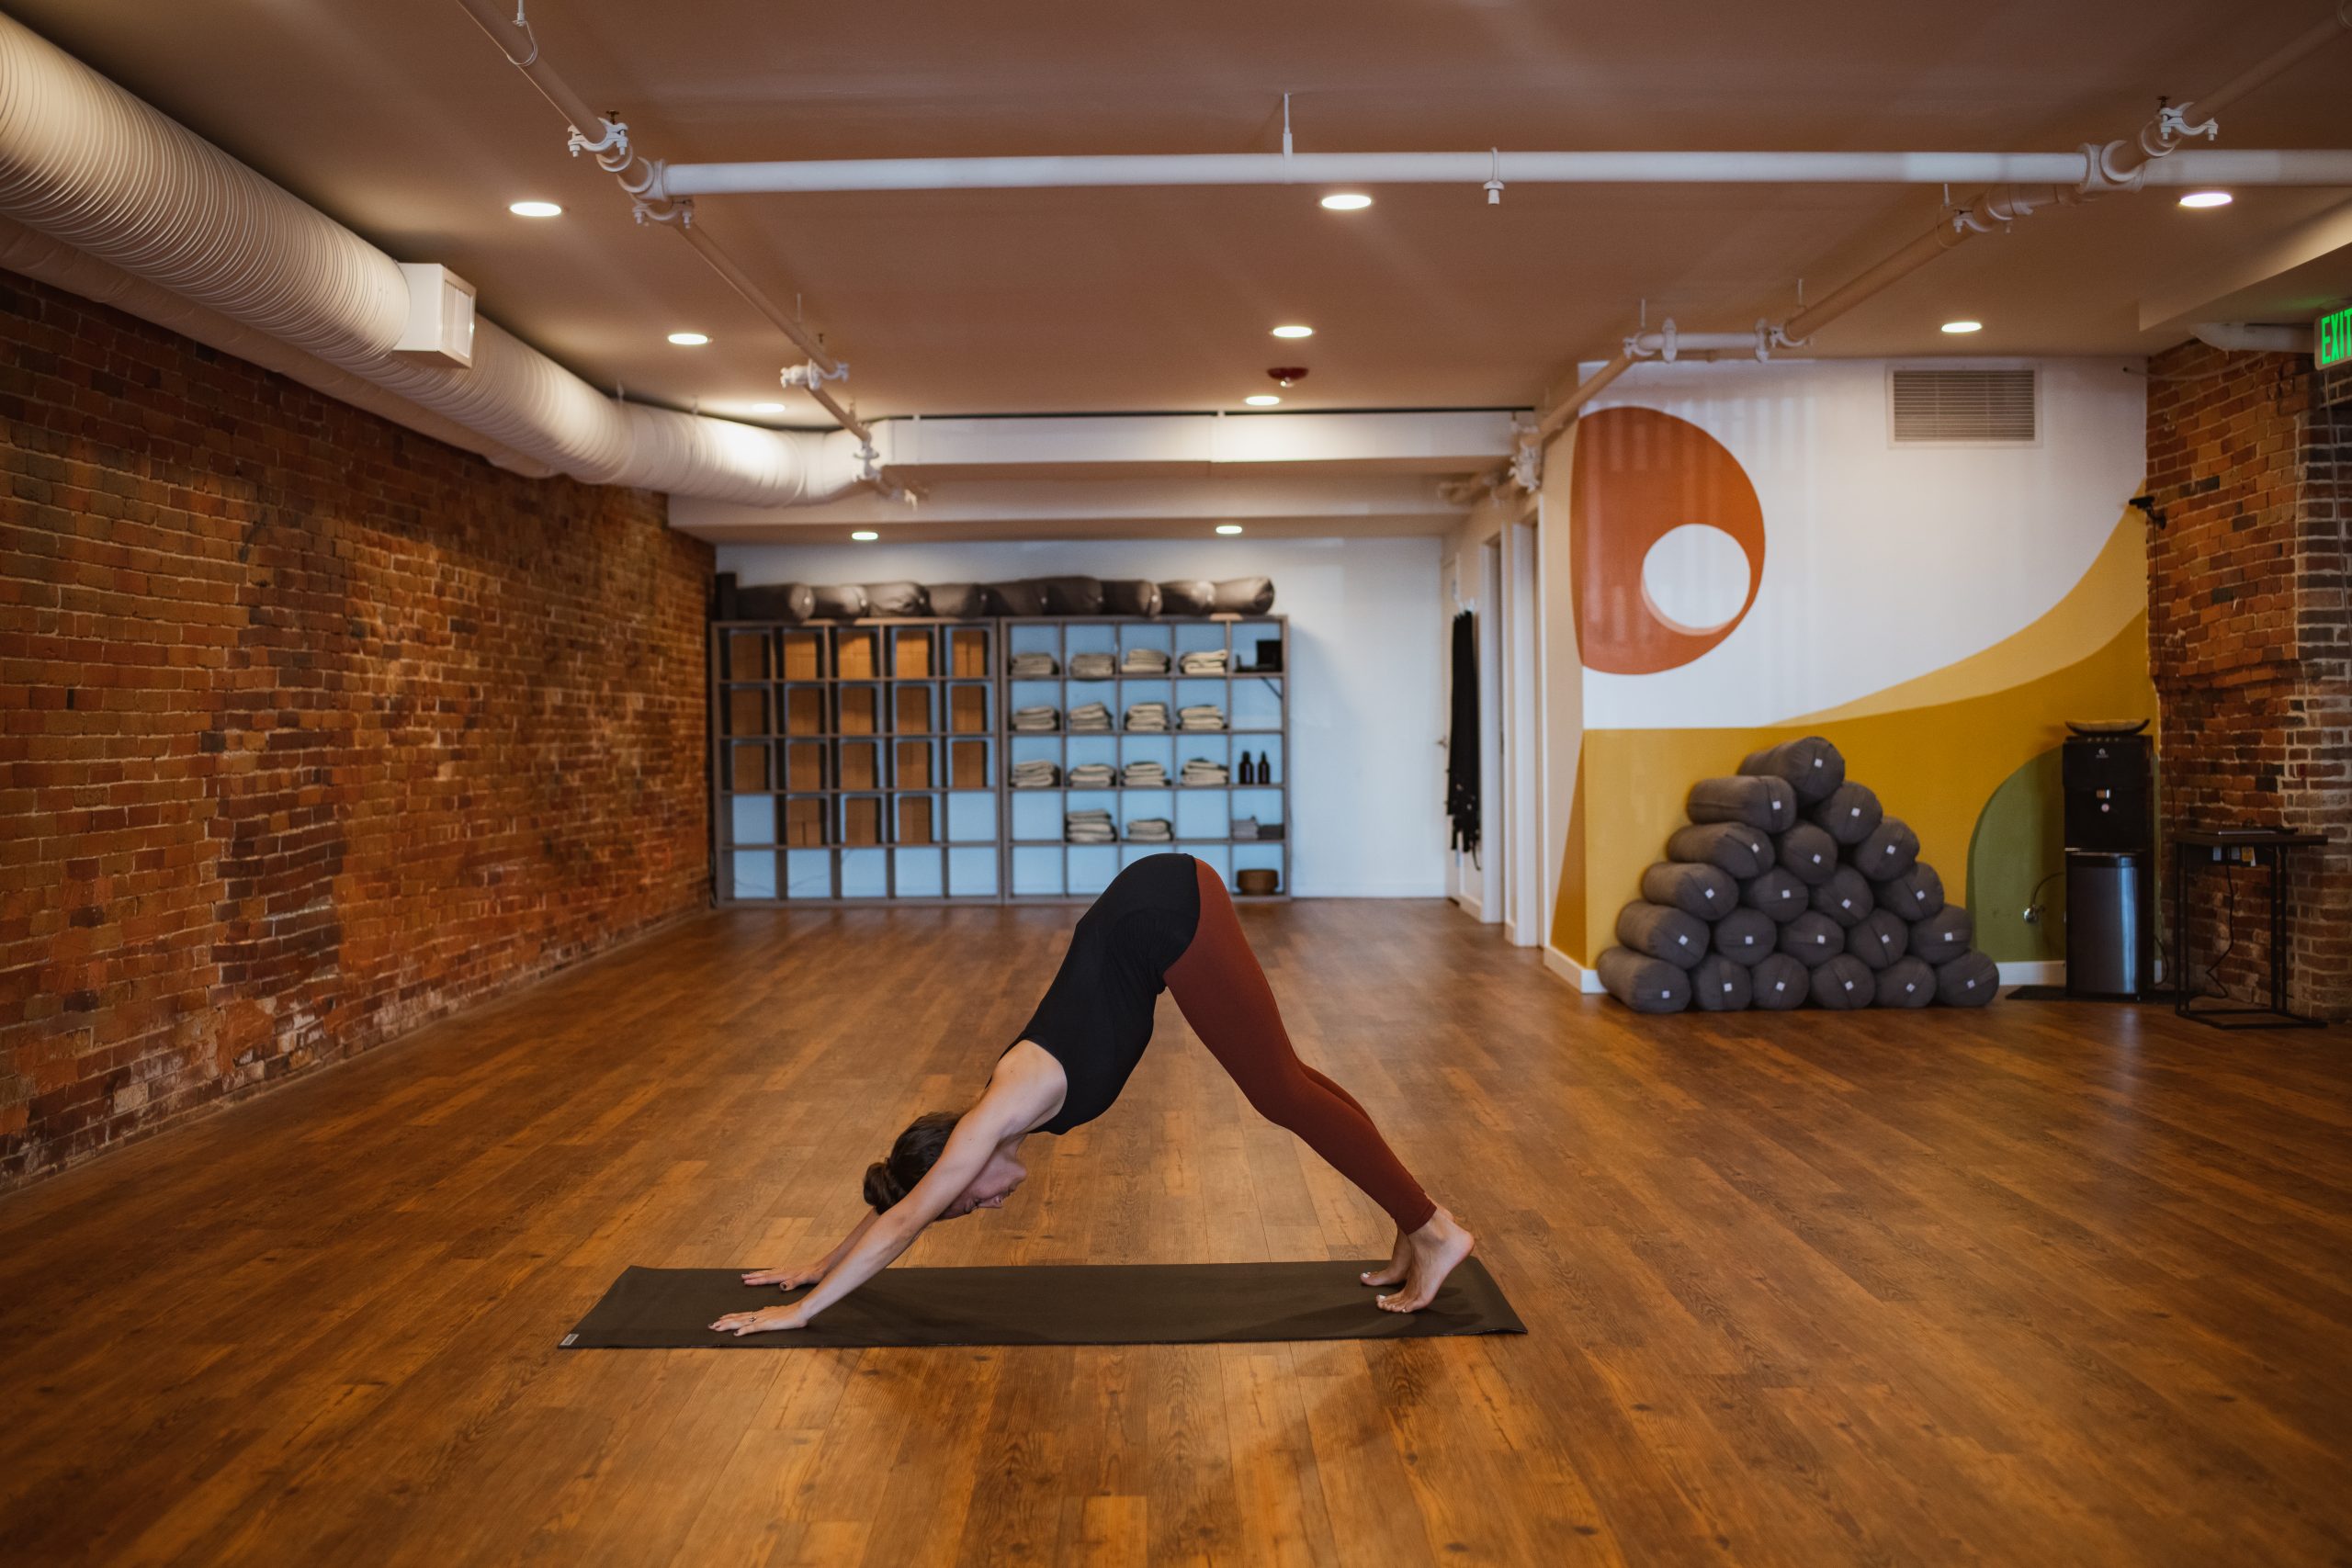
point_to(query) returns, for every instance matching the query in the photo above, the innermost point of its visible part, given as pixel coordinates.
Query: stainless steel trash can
(2109, 928)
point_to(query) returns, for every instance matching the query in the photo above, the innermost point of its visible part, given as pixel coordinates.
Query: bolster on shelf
(897, 601)
(1025, 596)
(1642, 983)
(1779, 982)
(1806, 853)
(1889, 850)
(1242, 596)
(1733, 847)
(1847, 814)
(1187, 596)
(1705, 891)
(1844, 982)
(1915, 895)
(1813, 940)
(1130, 596)
(1846, 897)
(1811, 766)
(1747, 935)
(1776, 893)
(1658, 931)
(1767, 803)
(1906, 983)
(1968, 981)
(1718, 985)
(791, 603)
(958, 601)
(838, 601)
(1072, 595)
(1944, 935)
(1880, 940)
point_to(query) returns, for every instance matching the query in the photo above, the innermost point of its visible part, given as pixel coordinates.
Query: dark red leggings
(1224, 995)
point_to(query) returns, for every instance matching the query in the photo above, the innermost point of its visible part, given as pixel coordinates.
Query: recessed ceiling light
(865, 536)
(1228, 528)
(2207, 199)
(1294, 332)
(535, 210)
(690, 339)
(1347, 201)
(1261, 400)
(767, 408)
(1958, 328)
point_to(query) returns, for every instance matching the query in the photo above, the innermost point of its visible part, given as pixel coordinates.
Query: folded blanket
(1718, 985)
(1662, 932)
(1093, 666)
(1778, 983)
(1733, 847)
(1847, 814)
(1812, 765)
(1144, 661)
(1844, 983)
(1033, 667)
(1846, 897)
(1700, 890)
(1642, 983)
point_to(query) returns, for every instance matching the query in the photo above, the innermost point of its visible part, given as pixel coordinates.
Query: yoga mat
(1138, 1303)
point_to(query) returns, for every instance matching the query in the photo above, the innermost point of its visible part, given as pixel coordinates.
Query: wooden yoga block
(968, 709)
(967, 764)
(861, 820)
(971, 651)
(749, 769)
(914, 765)
(911, 710)
(802, 659)
(804, 710)
(854, 655)
(858, 710)
(804, 822)
(859, 770)
(804, 765)
(747, 656)
(911, 654)
(914, 820)
(747, 710)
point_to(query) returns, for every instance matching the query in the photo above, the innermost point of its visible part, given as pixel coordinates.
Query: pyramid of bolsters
(1792, 884)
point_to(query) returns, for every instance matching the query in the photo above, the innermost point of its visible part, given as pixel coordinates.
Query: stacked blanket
(1035, 774)
(1145, 775)
(1200, 716)
(1093, 775)
(1149, 716)
(1204, 662)
(1200, 771)
(1144, 661)
(1037, 720)
(1090, 719)
(1034, 667)
(1092, 667)
(1089, 828)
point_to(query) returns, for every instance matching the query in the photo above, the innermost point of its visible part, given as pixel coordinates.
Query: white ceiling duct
(89, 166)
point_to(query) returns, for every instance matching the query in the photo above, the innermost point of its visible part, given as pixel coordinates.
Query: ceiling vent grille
(1964, 405)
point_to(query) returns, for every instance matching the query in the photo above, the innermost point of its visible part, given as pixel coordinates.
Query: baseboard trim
(1574, 973)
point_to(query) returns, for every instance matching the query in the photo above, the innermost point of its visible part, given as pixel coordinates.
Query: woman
(1165, 922)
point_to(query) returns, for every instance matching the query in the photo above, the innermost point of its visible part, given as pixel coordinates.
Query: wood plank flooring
(2051, 1283)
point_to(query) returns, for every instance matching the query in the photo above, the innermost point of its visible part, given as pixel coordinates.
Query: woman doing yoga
(1165, 922)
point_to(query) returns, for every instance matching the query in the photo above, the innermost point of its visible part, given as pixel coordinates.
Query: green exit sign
(2336, 338)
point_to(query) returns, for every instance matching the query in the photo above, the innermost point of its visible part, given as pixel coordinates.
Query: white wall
(1367, 649)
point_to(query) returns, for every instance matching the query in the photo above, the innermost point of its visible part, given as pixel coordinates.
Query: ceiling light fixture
(865, 536)
(767, 408)
(2207, 199)
(1261, 400)
(690, 339)
(1228, 528)
(1347, 201)
(535, 210)
(1958, 329)
(1294, 332)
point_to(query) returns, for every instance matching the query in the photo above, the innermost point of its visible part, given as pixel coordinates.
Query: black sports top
(1096, 1018)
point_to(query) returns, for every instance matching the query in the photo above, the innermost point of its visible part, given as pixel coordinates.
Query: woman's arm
(809, 1273)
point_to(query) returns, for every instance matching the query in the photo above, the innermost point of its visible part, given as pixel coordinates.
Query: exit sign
(2336, 338)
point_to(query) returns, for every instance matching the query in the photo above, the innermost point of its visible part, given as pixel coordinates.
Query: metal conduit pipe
(91, 168)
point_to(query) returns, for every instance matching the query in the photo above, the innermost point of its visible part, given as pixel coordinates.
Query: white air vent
(1963, 405)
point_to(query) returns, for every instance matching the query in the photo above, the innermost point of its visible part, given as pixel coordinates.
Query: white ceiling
(404, 121)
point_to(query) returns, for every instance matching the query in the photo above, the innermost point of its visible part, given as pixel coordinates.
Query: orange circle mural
(1639, 475)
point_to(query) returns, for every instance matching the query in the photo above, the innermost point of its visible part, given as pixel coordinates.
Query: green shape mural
(2020, 845)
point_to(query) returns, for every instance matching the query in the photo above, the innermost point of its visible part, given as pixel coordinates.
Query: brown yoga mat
(1140, 1303)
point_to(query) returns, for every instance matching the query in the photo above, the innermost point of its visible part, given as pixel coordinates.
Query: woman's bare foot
(1399, 1263)
(1437, 1249)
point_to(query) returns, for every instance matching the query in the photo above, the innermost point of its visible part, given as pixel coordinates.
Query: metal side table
(2249, 847)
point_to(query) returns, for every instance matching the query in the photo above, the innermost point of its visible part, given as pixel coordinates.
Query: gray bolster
(1705, 891)
(1072, 595)
(840, 601)
(1718, 985)
(791, 603)
(1806, 853)
(1915, 895)
(1846, 897)
(1906, 983)
(1813, 940)
(1776, 893)
(1186, 596)
(1944, 935)
(1844, 982)
(1663, 932)
(1780, 983)
(1746, 934)
(1646, 984)
(1889, 850)
(1243, 595)
(897, 599)
(1812, 765)
(1880, 940)
(1968, 981)
(958, 601)
(1023, 597)
(1848, 813)
(1130, 596)
(1768, 804)
(1733, 847)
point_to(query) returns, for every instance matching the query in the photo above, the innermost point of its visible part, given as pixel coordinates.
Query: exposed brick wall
(314, 727)
(2250, 461)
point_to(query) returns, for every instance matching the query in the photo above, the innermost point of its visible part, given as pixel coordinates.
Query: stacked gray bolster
(1747, 936)
(1848, 813)
(1658, 931)
(1915, 895)
(1642, 983)
(1944, 935)
(1844, 982)
(1719, 984)
(1780, 983)
(1705, 891)
(1906, 983)
(1767, 803)
(1846, 897)
(1733, 847)
(1968, 981)
(1813, 940)
(1879, 939)
(1889, 850)
(1776, 893)
(1807, 854)
(1811, 766)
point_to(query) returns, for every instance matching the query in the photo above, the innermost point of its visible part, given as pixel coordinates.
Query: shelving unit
(856, 762)
(863, 762)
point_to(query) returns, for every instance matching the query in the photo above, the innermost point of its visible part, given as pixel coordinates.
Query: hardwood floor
(2051, 1283)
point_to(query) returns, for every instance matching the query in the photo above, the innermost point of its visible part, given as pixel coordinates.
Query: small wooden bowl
(1257, 882)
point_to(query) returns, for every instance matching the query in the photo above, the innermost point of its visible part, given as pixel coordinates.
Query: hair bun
(879, 1193)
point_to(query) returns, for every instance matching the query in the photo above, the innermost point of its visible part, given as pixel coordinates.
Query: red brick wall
(314, 727)
(2250, 461)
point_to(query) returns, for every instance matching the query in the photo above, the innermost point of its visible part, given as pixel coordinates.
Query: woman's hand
(764, 1321)
(787, 1278)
